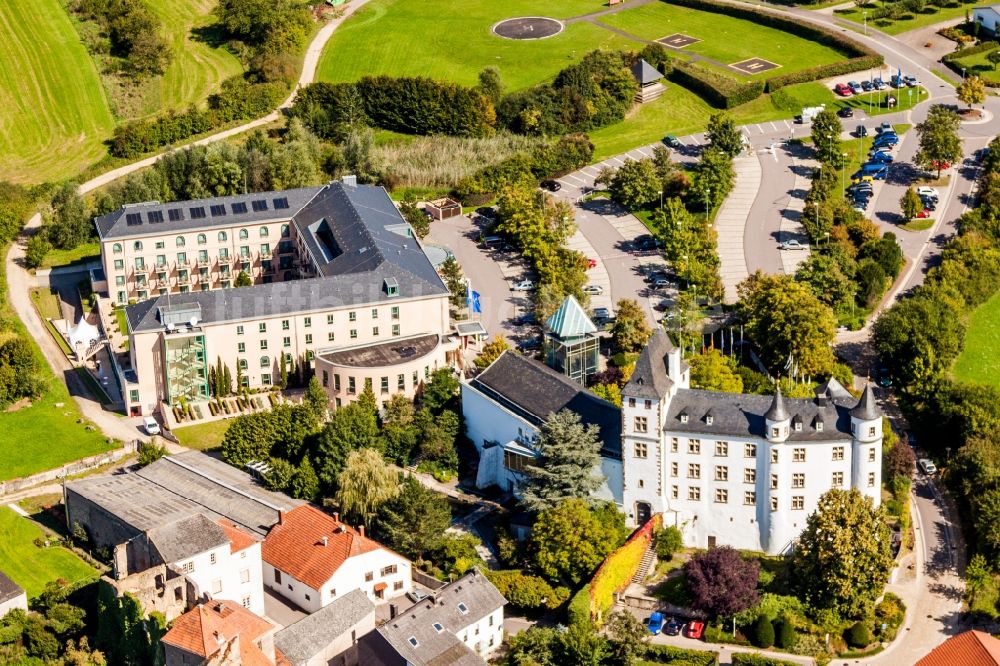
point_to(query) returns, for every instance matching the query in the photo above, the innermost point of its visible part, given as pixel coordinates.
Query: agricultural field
(979, 362)
(451, 39)
(32, 567)
(54, 115)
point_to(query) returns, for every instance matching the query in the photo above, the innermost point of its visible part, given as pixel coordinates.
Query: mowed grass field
(197, 68)
(909, 21)
(32, 567)
(724, 38)
(54, 115)
(979, 362)
(452, 40)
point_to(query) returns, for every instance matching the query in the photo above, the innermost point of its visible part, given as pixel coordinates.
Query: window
(352, 316)
(673, 445)
(277, 576)
(774, 482)
(694, 493)
(336, 382)
(838, 480)
(187, 567)
(871, 431)
(838, 453)
(258, 205)
(375, 331)
(721, 473)
(223, 237)
(400, 382)
(749, 450)
(749, 475)
(119, 264)
(774, 504)
(370, 576)
(239, 208)
(412, 640)
(351, 386)
(161, 260)
(286, 341)
(675, 492)
(309, 338)
(640, 449)
(354, 333)
(202, 239)
(750, 498)
(244, 234)
(640, 424)
(395, 312)
(197, 212)
(798, 503)
(263, 345)
(384, 385)
(265, 362)
(239, 330)
(798, 455)
(217, 586)
(694, 471)
(244, 364)
(137, 246)
(217, 210)
(263, 232)
(798, 480)
(774, 455)
(395, 329)
(722, 448)
(117, 248)
(120, 280)
(819, 426)
(721, 496)
(329, 336)
(284, 231)
(307, 322)
(674, 467)
(245, 253)
(871, 454)
(515, 462)
(179, 241)
(374, 313)
(389, 570)
(140, 263)
(241, 347)
(871, 479)
(775, 433)
(213, 558)
(463, 609)
(175, 214)
(694, 446)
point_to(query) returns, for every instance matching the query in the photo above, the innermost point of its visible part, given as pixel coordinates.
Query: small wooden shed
(442, 209)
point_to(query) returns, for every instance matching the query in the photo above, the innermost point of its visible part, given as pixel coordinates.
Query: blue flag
(474, 302)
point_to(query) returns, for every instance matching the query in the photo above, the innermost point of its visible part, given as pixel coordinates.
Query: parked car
(867, 86)
(660, 283)
(594, 289)
(792, 245)
(523, 285)
(855, 87)
(656, 275)
(591, 263)
(150, 425)
(846, 112)
(926, 466)
(884, 127)
(673, 627)
(695, 629)
(416, 596)
(873, 168)
(910, 81)
(551, 185)
(858, 177)
(646, 242)
(878, 83)
(885, 138)
(860, 187)
(880, 157)
(529, 345)
(842, 90)
(655, 623)
(896, 81)
(672, 141)
(602, 314)
(924, 214)
(930, 192)
(861, 131)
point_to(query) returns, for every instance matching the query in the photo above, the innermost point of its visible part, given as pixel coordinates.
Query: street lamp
(843, 172)
(963, 73)
(865, 15)
(708, 192)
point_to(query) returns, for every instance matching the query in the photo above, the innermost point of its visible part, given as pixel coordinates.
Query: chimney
(219, 638)
(326, 540)
(393, 611)
(351, 181)
(281, 517)
(336, 516)
(361, 530)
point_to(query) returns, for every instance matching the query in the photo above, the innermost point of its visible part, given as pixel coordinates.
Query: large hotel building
(339, 280)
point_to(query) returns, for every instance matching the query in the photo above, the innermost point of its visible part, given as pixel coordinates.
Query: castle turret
(866, 417)
(866, 450)
(777, 419)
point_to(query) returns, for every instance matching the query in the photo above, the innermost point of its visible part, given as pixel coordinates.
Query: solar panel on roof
(175, 214)
(217, 210)
(259, 205)
(154, 216)
(133, 219)
(239, 208)
(281, 203)
(197, 213)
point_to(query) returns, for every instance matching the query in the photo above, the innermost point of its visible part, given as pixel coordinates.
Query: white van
(926, 466)
(150, 425)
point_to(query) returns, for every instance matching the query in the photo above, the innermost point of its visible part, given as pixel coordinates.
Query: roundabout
(528, 27)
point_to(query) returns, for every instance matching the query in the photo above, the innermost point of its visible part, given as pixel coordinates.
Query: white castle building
(737, 469)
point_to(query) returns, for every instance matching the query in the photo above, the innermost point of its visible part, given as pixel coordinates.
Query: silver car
(594, 289)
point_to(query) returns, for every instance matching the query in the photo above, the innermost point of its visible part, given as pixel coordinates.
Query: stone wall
(69, 469)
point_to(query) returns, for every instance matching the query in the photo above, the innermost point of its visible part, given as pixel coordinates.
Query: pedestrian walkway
(731, 221)
(791, 227)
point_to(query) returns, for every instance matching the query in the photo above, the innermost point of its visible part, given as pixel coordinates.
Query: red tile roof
(296, 545)
(200, 630)
(238, 539)
(972, 648)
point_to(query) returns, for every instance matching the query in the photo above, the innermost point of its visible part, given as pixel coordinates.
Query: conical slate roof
(645, 73)
(570, 320)
(777, 412)
(866, 409)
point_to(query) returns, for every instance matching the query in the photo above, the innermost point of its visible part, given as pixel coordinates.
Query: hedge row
(617, 570)
(578, 610)
(951, 60)
(668, 654)
(825, 71)
(753, 659)
(719, 90)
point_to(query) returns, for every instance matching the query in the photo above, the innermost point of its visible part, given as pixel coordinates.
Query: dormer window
(391, 286)
(412, 640)
(709, 419)
(684, 417)
(798, 426)
(437, 627)
(819, 426)
(463, 609)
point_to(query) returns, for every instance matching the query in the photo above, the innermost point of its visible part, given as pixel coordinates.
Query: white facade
(485, 635)
(222, 574)
(988, 17)
(364, 572)
(19, 601)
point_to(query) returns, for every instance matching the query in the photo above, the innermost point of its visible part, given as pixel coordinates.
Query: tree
(413, 521)
(786, 320)
(668, 541)
(843, 557)
(491, 85)
(631, 328)
(723, 135)
(243, 280)
(440, 391)
(568, 455)
(713, 371)
(977, 576)
(636, 184)
(582, 646)
(365, 484)
(38, 247)
(939, 142)
(627, 638)
(899, 461)
(315, 399)
(304, 483)
(350, 428)
(721, 582)
(910, 203)
(994, 57)
(69, 224)
(785, 635)
(417, 218)
(763, 632)
(972, 91)
(714, 177)
(826, 131)
(568, 541)
(491, 352)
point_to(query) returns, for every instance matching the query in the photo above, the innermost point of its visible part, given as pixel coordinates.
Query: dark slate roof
(777, 412)
(187, 537)
(364, 229)
(650, 379)
(831, 388)
(867, 409)
(395, 351)
(479, 597)
(533, 391)
(742, 415)
(9, 589)
(308, 637)
(645, 73)
(116, 224)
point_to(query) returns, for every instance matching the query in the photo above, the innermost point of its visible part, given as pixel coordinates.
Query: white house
(12, 595)
(461, 623)
(328, 637)
(505, 406)
(311, 558)
(988, 17)
(736, 469)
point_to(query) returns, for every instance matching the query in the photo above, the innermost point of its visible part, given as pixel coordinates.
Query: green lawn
(203, 435)
(929, 16)
(451, 39)
(32, 567)
(918, 224)
(724, 38)
(978, 64)
(54, 115)
(980, 360)
(80, 253)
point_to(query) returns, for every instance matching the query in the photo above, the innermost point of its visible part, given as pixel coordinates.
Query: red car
(591, 263)
(694, 629)
(843, 90)
(924, 214)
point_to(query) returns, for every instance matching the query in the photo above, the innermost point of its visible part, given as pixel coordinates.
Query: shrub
(750, 659)
(668, 541)
(527, 592)
(859, 635)
(762, 632)
(668, 654)
(825, 71)
(579, 606)
(719, 90)
(419, 105)
(785, 635)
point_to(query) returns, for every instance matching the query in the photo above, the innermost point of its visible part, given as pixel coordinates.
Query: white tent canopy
(84, 333)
